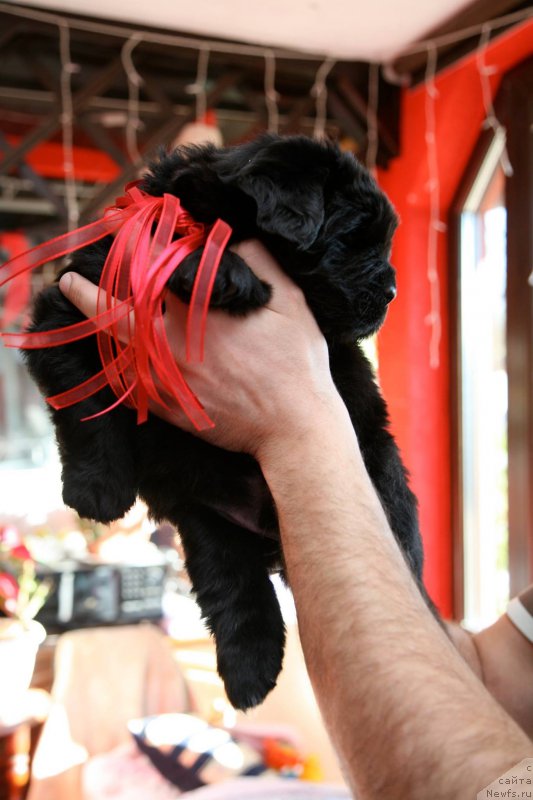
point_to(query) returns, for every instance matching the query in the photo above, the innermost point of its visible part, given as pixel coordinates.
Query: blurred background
(437, 100)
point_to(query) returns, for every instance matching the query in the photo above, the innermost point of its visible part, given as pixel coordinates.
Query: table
(18, 738)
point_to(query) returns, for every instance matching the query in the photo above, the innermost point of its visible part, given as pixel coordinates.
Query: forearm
(407, 716)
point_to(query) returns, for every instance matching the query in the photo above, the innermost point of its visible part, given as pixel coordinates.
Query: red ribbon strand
(132, 288)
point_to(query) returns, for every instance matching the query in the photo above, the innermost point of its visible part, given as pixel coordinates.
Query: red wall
(418, 395)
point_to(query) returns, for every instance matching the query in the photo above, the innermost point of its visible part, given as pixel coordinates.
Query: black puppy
(324, 219)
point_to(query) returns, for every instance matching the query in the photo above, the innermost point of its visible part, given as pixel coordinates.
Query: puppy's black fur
(323, 217)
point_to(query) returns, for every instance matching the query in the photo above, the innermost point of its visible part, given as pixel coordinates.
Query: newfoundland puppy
(322, 216)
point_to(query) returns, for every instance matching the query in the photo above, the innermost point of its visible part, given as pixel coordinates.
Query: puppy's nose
(390, 292)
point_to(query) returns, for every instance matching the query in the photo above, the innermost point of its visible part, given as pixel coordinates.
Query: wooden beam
(345, 116)
(154, 91)
(476, 13)
(41, 186)
(102, 139)
(256, 129)
(18, 99)
(359, 105)
(53, 122)
(300, 109)
(10, 29)
(40, 71)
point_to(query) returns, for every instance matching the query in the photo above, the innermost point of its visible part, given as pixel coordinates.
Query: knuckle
(245, 248)
(294, 294)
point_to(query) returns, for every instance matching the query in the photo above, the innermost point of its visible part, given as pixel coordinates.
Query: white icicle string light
(199, 87)
(67, 124)
(133, 122)
(271, 96)
(372, 131)
(491, 120)
(436, 226)
(203, 129)
(319, 91)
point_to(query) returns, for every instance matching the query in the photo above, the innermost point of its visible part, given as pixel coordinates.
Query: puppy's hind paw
(250, 670)
(98, 499)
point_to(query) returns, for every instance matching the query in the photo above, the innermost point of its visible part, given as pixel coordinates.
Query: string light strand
(436, 226)
(67, 124)
(135, 81)
(372, 131)
(491, 120)
(271, 96)
(319, 91)
(199, 87)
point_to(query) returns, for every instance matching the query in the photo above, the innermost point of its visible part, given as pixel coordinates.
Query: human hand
(261, 375)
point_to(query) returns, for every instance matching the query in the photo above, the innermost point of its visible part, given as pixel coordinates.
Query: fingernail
(65, 282)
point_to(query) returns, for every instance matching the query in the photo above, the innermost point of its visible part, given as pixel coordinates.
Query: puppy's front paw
(236, 288)
(97, 498)
(249, 666)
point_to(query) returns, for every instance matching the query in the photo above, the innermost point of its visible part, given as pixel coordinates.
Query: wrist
(315, 425)
(313, 468)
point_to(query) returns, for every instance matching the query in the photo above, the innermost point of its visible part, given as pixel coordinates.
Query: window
(483, 445)
(493, 388)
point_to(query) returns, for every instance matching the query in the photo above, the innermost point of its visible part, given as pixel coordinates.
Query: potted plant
(21, 598)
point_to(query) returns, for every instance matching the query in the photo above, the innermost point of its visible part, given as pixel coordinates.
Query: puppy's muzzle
(390, 292)
(388, 283)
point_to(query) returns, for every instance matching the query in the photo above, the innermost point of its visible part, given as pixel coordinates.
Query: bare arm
(408, 717)
(503, 659)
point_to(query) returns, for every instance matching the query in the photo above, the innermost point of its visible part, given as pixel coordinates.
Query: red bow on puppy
(134, 277)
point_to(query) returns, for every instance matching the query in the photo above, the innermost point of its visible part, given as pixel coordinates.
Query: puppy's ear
(289, 196)
(294, 210)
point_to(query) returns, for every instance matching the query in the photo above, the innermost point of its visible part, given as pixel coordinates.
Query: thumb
(81, 292)
(84, 295)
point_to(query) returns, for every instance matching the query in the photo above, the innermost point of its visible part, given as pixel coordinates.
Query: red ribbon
(132, 287)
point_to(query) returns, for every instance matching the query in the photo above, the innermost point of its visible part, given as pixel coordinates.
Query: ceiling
(378, 30)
